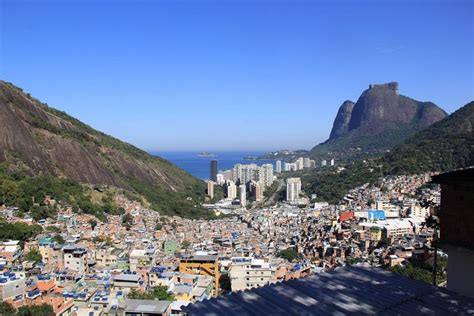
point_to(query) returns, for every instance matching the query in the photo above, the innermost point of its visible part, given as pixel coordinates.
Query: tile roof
(349, 290)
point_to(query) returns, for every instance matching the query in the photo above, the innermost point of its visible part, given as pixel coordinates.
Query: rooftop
(464, 175)
(349, 290)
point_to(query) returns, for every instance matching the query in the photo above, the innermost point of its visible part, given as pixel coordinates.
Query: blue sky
(232, 75)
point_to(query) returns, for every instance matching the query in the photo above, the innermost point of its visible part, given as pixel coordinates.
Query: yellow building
(202, 265)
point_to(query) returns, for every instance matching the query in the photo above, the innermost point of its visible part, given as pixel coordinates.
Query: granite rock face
(40, 140)
(341, 122)
(382, 108)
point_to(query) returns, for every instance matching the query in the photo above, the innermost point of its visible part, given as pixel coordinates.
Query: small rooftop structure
(145, 307)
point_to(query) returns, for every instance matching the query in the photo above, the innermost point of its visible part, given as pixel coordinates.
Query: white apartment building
(299, 163)
(75, 259)
(293, 189)
(231, 190)
(243, 195)
(248, 272)
(266, 175)
(306, 163)
(290, 166)
(210, 189)
(278, 166)
(220, 179)
(11, 286)
(246, 173)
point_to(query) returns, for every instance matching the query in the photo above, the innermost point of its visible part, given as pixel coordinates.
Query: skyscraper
(278, 166)
(210, 189)
(243, 195)
(214, 168)
(266, 174)
(293, 189)
(258, 192)
(231, 190)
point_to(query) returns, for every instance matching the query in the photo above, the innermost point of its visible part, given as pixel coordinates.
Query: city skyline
(133, 70)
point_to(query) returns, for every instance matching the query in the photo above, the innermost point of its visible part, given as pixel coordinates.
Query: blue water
(200, 166)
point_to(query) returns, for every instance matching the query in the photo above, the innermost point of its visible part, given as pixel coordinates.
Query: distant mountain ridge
(380, 119)
(444, 146)
(38, 140)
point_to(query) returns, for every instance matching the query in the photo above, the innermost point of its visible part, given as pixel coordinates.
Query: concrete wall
(461, 271)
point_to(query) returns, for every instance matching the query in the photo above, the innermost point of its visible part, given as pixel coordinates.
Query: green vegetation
(59, 239)
(29, 194)
(331, 185)
(424, 272)
(218, 194)
(289, 254)
(18, 231)
(52, 229)
(34, 255)
(93, 223)
(444, 146)
(7, 309)
(271, 189)
(185, 203)
(127, 221)
(159, 292)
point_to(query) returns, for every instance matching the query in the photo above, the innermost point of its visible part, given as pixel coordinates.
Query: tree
(59, 239)
(6, 309)
(127, 221)
(18, 231)
(185, 244)
(289, 254)
(159, 292)
(43, 310)
(93, 223)
(34, 255)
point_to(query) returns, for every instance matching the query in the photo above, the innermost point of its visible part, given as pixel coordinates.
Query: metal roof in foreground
(356, 290)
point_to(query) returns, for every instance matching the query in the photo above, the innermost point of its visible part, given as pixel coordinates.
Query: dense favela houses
(143, 262)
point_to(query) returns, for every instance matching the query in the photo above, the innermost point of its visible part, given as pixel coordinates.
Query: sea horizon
(199, 166)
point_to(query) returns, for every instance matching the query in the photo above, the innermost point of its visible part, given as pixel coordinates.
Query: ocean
(199, 166)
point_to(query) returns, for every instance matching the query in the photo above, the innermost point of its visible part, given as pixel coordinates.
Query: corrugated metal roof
(349, 290)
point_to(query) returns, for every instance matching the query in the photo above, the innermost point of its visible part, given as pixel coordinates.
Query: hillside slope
(444, 146)
(37, 140)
